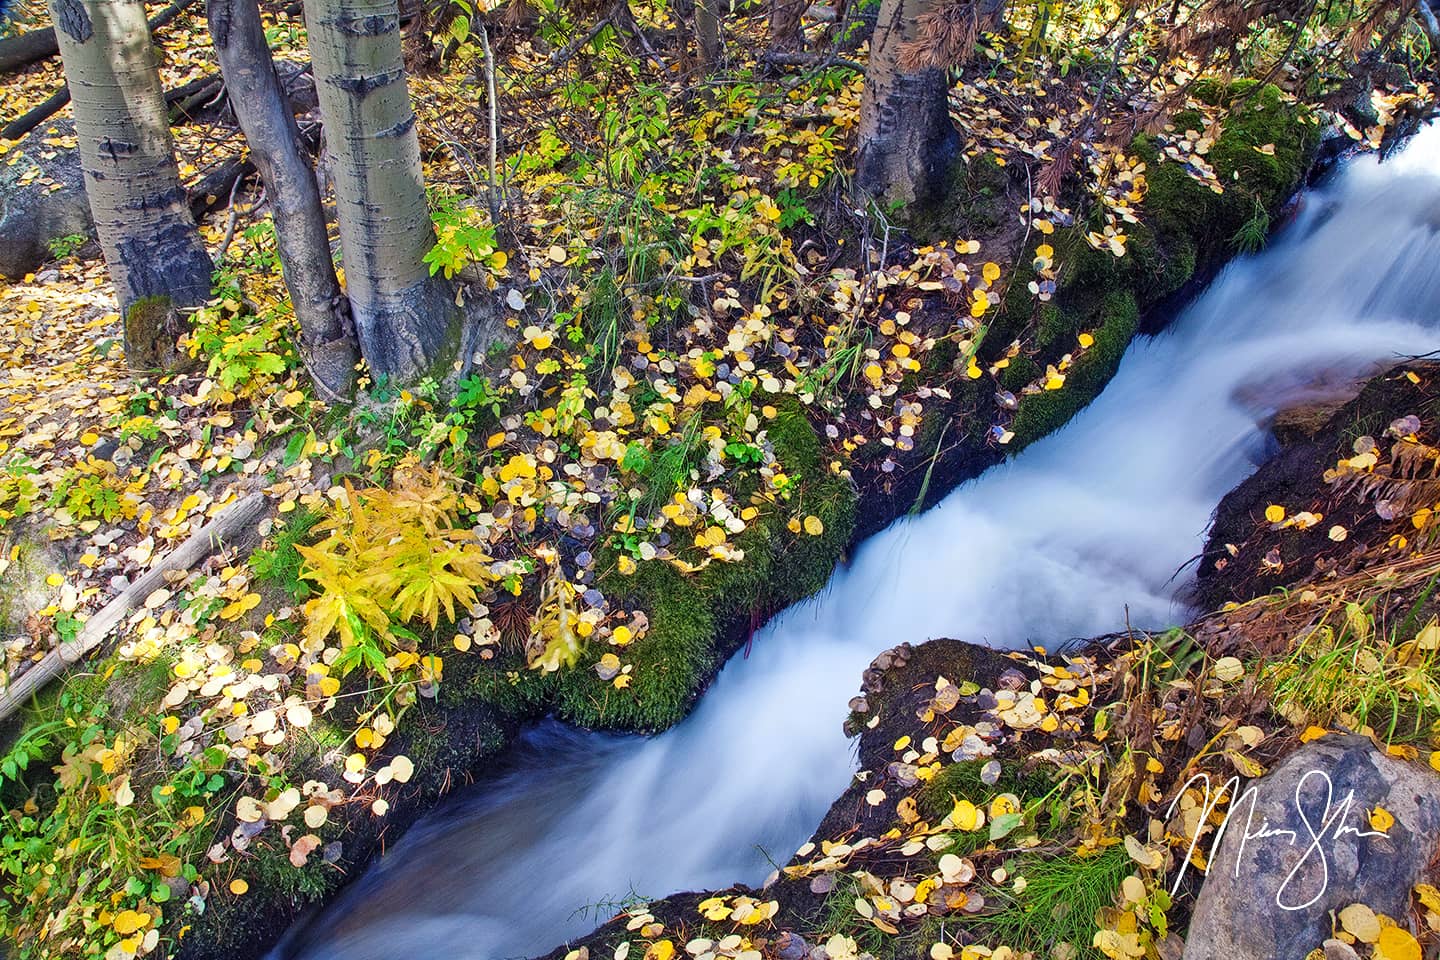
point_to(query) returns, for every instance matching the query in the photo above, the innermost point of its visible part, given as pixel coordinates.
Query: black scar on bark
(74, 20)
(361, 87)
(399, 129)
(174, 198)
(115, 149)
(220, 16)
(372, 26)
(167, 263)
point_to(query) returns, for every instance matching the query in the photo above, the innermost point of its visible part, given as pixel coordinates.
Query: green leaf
(1003, 825)
(460, 28)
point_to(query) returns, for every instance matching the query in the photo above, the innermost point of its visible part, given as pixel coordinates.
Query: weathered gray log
(36, 45)
(239, 518)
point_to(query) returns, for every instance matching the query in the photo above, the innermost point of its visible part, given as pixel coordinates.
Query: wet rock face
(1246, 556)
(41, 198)
(1268, 897)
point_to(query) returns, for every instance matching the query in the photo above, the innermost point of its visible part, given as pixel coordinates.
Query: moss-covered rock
(1045, 412)
(697, 620)
(1187, 231)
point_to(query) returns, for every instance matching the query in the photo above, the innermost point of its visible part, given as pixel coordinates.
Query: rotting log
(16, 53)
(238, 519)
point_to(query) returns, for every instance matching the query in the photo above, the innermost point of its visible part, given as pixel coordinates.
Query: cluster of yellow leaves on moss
(391, 557)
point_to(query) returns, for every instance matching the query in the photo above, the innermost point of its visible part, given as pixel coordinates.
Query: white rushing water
(1084, 526)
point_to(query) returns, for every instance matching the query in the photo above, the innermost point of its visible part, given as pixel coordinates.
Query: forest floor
(703, 353)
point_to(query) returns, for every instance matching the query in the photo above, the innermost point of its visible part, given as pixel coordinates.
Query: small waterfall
(1084, 530)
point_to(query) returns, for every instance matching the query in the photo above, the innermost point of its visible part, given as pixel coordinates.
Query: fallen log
(16, 53)
(217, 187)
(239, 518)
(184, 99)
(36, 115)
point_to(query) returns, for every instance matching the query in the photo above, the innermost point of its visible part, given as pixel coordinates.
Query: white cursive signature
(1331, 826)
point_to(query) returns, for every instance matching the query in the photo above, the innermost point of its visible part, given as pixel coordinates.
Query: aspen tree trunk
(141, 216)
(785, 22)
(405, 318)
(707, 33)
(907, 143)
(327, 339)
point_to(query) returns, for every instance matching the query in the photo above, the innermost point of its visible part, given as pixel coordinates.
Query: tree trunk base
(152, 327)
(909, 145)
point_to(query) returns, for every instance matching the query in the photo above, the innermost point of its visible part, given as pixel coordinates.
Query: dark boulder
(42, 198)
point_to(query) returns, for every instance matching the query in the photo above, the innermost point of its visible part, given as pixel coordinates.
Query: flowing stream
(1086, 528)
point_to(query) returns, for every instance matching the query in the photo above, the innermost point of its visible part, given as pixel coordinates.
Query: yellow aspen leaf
(1429, 896)
(966, 816)
(814, 526)
(1360, 922)
(991, 272)
(1229, 669)
(239, 887)
(1086, 341)
(1381, 819)
(1274, 513)
(1396, 943)
(128, 921)
(1312, 733)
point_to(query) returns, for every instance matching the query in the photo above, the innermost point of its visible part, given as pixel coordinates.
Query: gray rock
(1268, 898)
(33, 211)
(1339, 950)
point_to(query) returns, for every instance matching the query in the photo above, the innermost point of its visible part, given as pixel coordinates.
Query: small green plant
(245, 352)
(1060, 902)
(93, 489)
(18, 490)
(389, 557)
(462, 237)
(62, 248)
(280, 564)
(1348, 669)
(1253, 232)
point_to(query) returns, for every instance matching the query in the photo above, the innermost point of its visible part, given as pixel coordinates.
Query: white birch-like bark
(141, 217)
(405, 319)
(327, 338)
